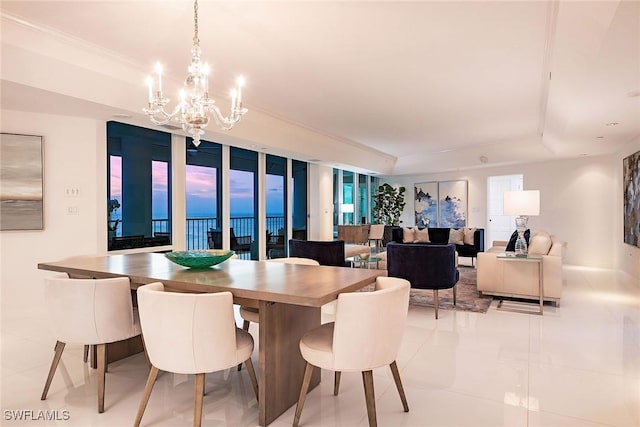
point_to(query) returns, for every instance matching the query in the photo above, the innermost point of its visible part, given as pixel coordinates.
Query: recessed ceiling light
(599, 137)
(253, 146)
(583, 154)
(612, 124)
(484, 159)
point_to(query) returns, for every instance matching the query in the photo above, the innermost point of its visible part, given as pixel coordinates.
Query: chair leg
(367, 379)
(308, 370)
(199, 396)
(454, 293)
(151, 380)
(52, 370)
(245, 326)
(252, 376)
(336, 383)
(435, 301)
(396, 377)
(102, 366)
(86, 354)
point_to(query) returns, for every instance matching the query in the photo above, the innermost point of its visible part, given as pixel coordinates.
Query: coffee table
(360, 262)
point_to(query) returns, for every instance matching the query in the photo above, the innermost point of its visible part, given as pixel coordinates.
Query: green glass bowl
(199, 259)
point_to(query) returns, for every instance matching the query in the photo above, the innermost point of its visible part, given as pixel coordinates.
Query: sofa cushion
(468, 235)
(408, 235)
(540, 243)
(456, 236)
(511, 246)
(421, 236)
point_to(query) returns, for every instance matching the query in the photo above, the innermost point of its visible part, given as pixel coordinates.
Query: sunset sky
(202, 192)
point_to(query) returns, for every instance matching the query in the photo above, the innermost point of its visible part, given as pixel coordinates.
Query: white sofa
(520, 279)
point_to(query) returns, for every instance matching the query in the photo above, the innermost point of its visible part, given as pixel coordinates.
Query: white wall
(578, 203)
(73, 158)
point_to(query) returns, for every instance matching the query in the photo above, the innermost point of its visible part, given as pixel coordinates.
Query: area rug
(467, 297)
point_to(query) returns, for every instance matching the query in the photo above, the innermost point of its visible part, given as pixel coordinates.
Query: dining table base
(281, 366)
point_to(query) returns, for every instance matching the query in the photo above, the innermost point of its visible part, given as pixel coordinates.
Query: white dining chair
(366, 334)
(376, 233)
(188, 333)
(89, 312)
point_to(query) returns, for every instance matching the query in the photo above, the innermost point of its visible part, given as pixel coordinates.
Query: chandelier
(195, 104)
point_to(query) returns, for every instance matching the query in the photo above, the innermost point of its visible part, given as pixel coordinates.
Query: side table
(511, 257)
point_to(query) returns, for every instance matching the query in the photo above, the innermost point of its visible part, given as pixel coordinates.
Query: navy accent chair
(430, 266)
(325, 252)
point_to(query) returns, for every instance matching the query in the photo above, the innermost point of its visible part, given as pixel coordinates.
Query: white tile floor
(578, 365)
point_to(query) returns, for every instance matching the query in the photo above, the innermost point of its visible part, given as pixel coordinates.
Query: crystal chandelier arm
(227, 123)
(159, 116)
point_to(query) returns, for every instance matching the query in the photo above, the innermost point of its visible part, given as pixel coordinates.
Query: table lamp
(523, 204)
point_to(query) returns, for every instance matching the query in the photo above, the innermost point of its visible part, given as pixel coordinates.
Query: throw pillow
(456, 235)
(408, 235)
(422, 236)
(511, 246)
(468, 235)
(540, 243)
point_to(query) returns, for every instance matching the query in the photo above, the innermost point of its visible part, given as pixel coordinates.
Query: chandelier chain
(196, 41)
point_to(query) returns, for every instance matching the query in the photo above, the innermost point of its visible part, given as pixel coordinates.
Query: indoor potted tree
(388, 206)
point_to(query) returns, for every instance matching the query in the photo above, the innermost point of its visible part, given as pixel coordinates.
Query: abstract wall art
(21, 182)
(631, 182)
(426, 204)
(441, 204)
(452, 203)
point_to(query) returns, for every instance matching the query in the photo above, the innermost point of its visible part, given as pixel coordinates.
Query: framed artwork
(426, 204)
(21, 182)
(452, 203)
(631, 182)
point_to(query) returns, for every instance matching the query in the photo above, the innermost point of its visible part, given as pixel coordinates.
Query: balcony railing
(242, 226)
(197, 228)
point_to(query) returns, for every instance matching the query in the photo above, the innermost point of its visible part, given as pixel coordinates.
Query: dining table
(288, 297)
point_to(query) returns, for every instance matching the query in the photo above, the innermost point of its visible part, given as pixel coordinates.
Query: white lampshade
(524, 203)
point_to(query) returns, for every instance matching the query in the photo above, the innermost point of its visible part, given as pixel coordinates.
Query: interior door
(500, 225)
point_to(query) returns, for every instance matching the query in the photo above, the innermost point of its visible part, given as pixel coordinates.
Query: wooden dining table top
(252, 280)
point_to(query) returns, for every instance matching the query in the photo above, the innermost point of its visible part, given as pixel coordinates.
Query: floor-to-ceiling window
(373, 190)
(243, 188)
(114, 191)
(300, 214)
(139, 194)
(362, 201)
(353, 198)
(160, 196)
(203, 198)
(276, 206)
(337, 197)
(138, 187)
(348, 197)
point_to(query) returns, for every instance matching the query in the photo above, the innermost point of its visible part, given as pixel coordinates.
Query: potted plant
(112, 226)
(388, 206)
